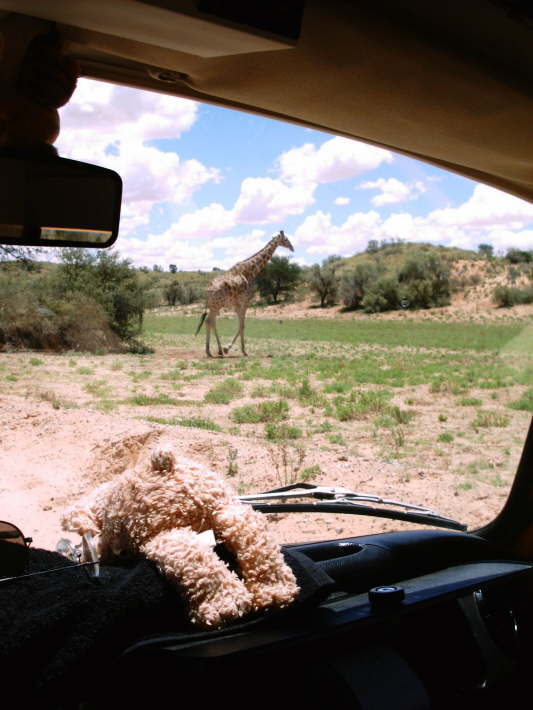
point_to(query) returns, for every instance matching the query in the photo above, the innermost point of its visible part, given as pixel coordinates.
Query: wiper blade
(335, 499)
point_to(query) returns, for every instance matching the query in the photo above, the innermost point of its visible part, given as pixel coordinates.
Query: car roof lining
(449, 83)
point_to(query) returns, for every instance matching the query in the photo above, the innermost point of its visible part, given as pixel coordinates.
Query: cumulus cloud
(488, 216)
(393, 190)
(321, 236)
(164, 249)
(111, 125)
(264, 200)
(336, 159)
(342, 201)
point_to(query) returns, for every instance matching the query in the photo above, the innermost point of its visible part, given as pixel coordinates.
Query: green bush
(508, 296)
(261, 412)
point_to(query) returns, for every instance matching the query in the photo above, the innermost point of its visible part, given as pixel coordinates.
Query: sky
(206, 187)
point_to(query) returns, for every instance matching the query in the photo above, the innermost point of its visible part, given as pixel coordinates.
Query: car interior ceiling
(450, 84)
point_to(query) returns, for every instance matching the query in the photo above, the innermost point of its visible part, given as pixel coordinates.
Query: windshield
(388, 338)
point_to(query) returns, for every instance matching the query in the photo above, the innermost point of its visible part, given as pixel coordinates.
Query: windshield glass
(389, 352)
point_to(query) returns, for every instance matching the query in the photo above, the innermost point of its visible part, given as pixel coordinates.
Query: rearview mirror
(54, 201)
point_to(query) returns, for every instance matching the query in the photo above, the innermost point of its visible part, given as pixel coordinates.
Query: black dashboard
(419, 619)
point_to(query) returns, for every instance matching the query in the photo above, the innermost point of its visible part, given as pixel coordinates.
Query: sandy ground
(49, 458)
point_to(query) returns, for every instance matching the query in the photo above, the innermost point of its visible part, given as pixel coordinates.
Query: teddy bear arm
(213, 593)
(266, 574)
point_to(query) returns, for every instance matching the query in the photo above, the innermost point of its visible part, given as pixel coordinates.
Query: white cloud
(488, 208)
(110, 125)
(336, 159)
(264, 200)
(393, 190)
(488, 216)
(321, 236)
(342, 201)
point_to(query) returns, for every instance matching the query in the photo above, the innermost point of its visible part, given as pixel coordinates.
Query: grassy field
(450, 400)
(449, 335)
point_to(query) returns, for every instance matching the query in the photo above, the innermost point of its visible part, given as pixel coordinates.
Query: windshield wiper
(335, 499)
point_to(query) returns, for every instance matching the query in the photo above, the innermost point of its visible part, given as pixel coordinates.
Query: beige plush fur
(158, 512)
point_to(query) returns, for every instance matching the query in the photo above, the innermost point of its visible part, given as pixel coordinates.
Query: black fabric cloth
(58, 631)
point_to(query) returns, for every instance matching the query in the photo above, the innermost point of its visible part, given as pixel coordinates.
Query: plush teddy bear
(159, 512)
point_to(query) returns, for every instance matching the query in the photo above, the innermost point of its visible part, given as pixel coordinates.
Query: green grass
(144, 400)
(224, 392)
(261, 412)
(195, 422)
(525, 403)
(469, 402)
(282, 432)
(490, 419)
(446, 437)
(98, 388)
(449, 335)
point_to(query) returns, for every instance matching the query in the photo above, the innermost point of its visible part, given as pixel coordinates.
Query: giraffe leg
(207, 338)
(226, 350)
(220, 350)
(242, 315)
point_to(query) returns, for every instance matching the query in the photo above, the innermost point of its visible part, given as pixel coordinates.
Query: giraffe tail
(204, 314)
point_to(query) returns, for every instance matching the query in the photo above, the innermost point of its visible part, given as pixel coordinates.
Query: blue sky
(206, 186)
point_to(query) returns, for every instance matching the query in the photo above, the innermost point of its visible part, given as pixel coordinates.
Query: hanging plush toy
(161, 512)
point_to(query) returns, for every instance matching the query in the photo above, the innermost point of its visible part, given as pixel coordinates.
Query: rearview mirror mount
(52, 201)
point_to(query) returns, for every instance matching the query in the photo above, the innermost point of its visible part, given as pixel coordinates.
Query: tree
(279, 276)
(173, 268)
(323, 281)
(173, 293)
(157, 268)
(425, 280)
(518, 256)
(355, 283)
(106, 279)
(372, 246)
(486, 250)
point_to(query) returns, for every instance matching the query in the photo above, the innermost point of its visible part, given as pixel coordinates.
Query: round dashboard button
(386, 597)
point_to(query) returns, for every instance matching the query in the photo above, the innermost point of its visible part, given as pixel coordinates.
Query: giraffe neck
(252, 266)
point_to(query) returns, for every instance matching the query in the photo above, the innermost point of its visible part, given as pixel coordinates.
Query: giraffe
(234, 290)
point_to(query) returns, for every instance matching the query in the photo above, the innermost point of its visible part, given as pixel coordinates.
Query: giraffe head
(282, 241)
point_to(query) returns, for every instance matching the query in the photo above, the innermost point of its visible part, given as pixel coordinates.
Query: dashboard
(418, 619)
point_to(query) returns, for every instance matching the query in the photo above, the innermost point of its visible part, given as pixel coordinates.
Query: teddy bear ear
(163, 460)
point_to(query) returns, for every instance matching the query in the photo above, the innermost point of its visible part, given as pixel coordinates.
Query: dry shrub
(76, 324)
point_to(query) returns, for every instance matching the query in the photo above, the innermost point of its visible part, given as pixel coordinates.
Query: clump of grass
(324, 427)
(359, 404)
(525, 403)
(85, 371)
(490, 419)
(446, 437)
(98, 388)
(282, 432)
(310, 473)
(194, 422)
(469, 402)
(467, 486)
(55, 401)
(261, 412)
(139, 376)
(260, 391)
(443, 418)
(106, 405)
(337, 439)
(338, 387)
(35, 361)
(224, 391)
(11, 378)
(144, 400)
